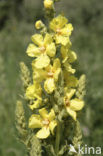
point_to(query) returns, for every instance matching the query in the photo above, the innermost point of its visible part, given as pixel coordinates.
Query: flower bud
(48, 4)
(39, 24)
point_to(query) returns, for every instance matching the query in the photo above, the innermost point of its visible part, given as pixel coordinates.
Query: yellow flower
(48, 4)
(38, 74)
(68, 57)
(39, 24)
(42, 49)
(36, 104)
(46, 122)
(34, 92)
(62, 29)
(52, 76)
(67, 54)
(69, 68)
(72, 105)
(49, 74)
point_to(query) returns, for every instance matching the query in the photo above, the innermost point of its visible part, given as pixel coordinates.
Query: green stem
(58, 133)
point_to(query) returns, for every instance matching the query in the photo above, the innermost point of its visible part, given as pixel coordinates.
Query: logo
(85, 150)
(72, 149)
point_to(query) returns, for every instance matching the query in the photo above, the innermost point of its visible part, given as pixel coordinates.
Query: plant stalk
(58, 136)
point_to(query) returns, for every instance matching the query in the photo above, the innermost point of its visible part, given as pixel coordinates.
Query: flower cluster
(52, 55)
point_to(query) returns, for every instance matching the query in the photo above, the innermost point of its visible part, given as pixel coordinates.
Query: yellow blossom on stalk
(39, 24)
(46, 122)
(48, 4)
(43, 48)
(67, 54)
(72, 105)
(69, 68)
(36, 103)
(62, 30)
(68, 57)
(49, 74)
(34, 92)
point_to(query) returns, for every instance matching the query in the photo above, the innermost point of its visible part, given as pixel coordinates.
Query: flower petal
(69, 68)
(71, 56)
(49, 85)
(62, 40)
(67, 54)
(43, 113)
(56, 64)
(41, 62)
(38, 74)
(51, 115)
(48, 68)
(48, 39)
(56, 74)
(35, 121)
(58, 22)
(71, 113)
(76, 104)
(37, 39)
(33, 91)
(33, 51)
(56, 68)
(70, 93)
(36, 104)
(67, 30)
(51, 50)
(52, 125)
(64, 53)
(43, 133)
(30, 92)
(38, 88)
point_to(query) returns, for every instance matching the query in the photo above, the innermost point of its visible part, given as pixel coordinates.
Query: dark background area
(17, 18)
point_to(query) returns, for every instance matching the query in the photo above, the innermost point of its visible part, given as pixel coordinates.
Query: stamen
(58, 31)
(50, 74)
(46, 122)
(68, 31)
(42, 49)
(67, 102)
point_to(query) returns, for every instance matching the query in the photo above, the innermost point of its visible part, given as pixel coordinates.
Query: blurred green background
(17, 18)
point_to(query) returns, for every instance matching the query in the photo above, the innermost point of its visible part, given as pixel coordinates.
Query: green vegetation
(16, 27)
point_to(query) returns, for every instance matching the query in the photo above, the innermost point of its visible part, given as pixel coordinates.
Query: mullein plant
(53, 93)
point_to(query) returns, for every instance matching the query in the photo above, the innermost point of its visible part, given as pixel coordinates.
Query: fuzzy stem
(58, 133)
